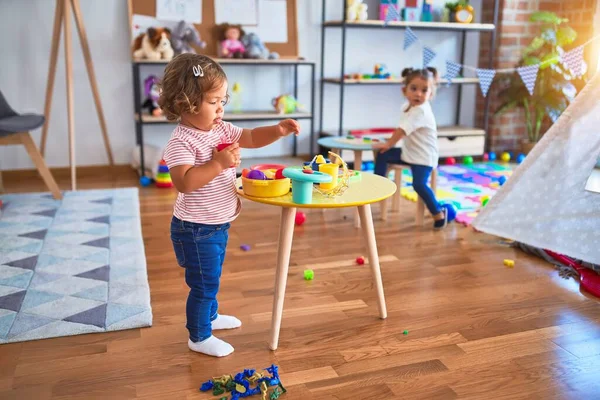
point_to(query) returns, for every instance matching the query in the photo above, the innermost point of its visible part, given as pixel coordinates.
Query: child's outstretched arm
(391, 142)
(265, 135)
(187, 178)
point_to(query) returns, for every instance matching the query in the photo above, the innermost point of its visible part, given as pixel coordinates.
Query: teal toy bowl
(302, 183)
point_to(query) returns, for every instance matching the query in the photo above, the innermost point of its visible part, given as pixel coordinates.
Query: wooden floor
(476, 329)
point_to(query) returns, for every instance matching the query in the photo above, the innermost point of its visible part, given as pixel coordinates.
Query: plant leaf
(547, 17)
(507, 107)
(535, 44)
(565, 35)
(531, 60)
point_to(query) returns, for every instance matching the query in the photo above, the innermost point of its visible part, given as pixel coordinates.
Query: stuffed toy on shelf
(184, 36)
(152, 92)
(356, 10)
(154, 44)
(230, 43)
(255, 48)
(286, 104)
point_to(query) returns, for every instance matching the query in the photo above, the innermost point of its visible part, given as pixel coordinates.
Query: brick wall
(514, 32)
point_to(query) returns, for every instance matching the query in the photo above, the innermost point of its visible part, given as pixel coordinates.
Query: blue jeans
(420, 175)
(200, 249)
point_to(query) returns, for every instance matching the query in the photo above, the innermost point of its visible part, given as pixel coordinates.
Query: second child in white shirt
(418, 129)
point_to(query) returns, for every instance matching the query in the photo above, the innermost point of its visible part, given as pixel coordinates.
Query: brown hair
(181, 90)
(426, 73)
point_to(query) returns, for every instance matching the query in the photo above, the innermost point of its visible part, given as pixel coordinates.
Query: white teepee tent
(544, 203)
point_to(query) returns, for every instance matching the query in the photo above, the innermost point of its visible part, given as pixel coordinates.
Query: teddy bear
(255, 48)
(154, 44)
(356, 10)
(230, 44)
(184, 36)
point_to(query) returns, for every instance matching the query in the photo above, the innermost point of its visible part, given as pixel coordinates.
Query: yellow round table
(361, 194)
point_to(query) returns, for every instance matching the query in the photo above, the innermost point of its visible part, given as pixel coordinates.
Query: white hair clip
(198, 71)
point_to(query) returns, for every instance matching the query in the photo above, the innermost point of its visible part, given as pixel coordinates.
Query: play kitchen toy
(329, 179)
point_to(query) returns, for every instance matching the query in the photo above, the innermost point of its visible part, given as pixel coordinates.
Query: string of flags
(572, 59)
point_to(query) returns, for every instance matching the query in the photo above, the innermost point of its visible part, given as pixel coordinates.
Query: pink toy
(450, 161)
(230, 45)
(300, 218)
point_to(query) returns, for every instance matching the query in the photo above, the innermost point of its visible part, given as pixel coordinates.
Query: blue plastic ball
(502, 180)
(145, 181)
(450, 211)
(520, 158)
(492, 156)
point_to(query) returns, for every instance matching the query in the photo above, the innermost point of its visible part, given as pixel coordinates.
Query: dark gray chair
(14, 130)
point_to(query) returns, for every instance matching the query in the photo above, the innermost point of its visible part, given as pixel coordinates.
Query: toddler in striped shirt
(194, 93)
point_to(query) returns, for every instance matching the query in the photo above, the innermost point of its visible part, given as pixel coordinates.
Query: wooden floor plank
(474, 327)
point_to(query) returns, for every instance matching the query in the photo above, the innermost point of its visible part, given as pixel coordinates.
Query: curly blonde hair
(182, 91)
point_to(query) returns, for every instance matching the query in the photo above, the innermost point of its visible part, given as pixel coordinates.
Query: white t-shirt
(420, 146)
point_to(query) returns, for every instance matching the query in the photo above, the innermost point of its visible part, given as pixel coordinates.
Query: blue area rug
(72, 266)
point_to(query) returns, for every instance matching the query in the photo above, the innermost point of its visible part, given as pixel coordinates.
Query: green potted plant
(555, 86)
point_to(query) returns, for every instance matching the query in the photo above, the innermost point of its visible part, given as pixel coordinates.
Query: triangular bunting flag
(428, 55)
(392, 14)
(529, 75)
(409, 38)
(574, 60)
(452, 70)
(486, 76)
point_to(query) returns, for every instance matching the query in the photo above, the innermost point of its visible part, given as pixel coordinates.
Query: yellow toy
(356, 10)
(509, 263)
(343, 182)
(505, 157)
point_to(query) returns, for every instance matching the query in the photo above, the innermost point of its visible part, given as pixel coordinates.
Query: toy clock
(464, 13)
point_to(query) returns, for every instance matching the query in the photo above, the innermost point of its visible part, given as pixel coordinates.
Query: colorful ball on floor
(520, 158)
(145, 181)
(502, 180)
(450, 211)
(309, 274)
(300, 218)
(468, 160)
(505, 157)
(492, 156)
(450, 161)
(486, 157)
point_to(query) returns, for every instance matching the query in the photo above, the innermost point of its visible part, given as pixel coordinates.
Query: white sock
(212, 347)
(226, 322)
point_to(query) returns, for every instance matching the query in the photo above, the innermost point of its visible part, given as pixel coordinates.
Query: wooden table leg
(369, 232)
(286, 233)
(357, 167)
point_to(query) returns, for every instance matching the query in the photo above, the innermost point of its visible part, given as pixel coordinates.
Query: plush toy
(184, 36)
(152, 92)
(286, 104)
(356, 10)
(154, 44)
(255, 48)
(230, 45)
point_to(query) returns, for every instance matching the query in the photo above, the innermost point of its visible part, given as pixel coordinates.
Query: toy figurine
(152, 92)
(230, 45)
(286, 104)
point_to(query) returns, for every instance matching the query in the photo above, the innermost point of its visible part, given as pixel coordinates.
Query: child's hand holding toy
(288, 126)
(227, 157)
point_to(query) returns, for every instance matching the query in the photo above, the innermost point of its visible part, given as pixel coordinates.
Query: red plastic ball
(360, 260)
(279, 174)
(450, 161)
(300, 218)
(245, 172)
